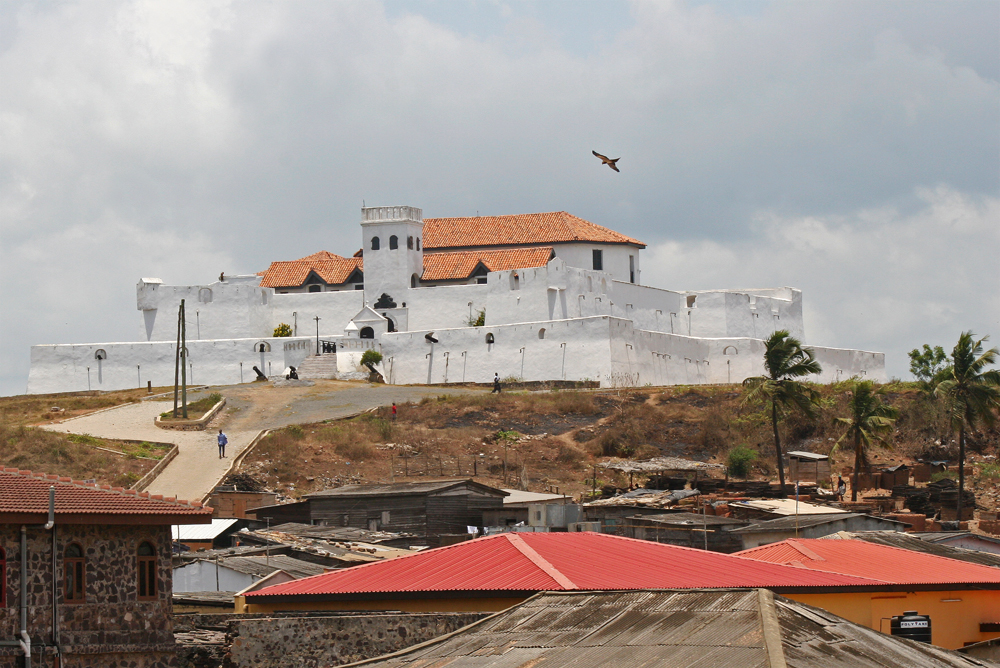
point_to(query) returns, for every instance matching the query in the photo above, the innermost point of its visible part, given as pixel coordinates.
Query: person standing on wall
(496, 384)
(222, 444)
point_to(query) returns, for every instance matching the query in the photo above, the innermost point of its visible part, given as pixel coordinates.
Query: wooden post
(406, 464)
(177, 362)
(184, 391)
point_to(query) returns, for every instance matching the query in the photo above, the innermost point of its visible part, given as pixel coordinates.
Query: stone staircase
(316, 367)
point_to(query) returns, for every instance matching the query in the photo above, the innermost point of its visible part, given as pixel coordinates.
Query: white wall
(238, 309)
(209, 576)
(64, 367)
(616, 257)
(335, 310)
(442, 307)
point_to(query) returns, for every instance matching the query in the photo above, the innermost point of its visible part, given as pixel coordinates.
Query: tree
(971, 392)
(370, 358)
(282, 330)
(929, 366)
(785, 360)
(870, 421)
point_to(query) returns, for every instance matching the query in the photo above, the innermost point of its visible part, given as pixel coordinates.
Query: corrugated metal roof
(262, 566)
(201, 532)
(401, 488)
(893, 565)
(679, 629)
(805, 521)
(588, 560)
(787, 507)
(915, 542)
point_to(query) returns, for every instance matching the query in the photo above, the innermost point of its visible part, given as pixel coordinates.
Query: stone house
(85, 573)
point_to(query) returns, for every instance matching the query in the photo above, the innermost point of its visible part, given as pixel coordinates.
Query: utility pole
(184, 387)
(177, 359)
(317, 318)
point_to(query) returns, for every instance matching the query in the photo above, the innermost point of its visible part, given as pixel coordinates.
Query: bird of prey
(607, 161)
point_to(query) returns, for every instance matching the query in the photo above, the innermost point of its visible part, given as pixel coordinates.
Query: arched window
(489, 338)
(3, 578)
(730, 350)
(541, 333)
(262, 347)
(409, 243)
(101, 354)
(392, 325)
(375, 243)
(205, 295)
(146, 571)
(315, 288)
(414, 281)
(393, 242)
(74, 574)
(418, 243)
(367, 333)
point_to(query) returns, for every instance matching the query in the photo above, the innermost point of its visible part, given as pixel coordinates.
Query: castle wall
(234, 308)
(615, 258)
(335, 310)
(74, 367)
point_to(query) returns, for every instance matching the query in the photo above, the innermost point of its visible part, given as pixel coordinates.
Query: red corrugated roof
(893, 565)
(517, 230)
(461, 264)
(24, 497)
(556, 561)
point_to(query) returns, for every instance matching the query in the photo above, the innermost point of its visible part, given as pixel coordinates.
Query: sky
(849, 149)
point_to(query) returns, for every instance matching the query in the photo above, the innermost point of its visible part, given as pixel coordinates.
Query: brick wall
(312, 642)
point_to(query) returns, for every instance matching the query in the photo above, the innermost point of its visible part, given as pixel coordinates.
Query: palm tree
(785, 360)
(870, 420)
(971, 392)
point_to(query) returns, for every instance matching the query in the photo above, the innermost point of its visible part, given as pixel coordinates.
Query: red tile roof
(24, 498)
(461, 264)
(332, 268)
(892, 565)
(517, 230)
(555, 561)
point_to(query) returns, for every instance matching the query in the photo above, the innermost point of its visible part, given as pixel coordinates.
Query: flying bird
(607, 161)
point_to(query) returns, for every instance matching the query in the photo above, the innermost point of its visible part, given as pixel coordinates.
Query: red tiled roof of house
(332, 268)
(556, 561)
(893, 565)
(24, 499)
(461, 264)
(517, 230)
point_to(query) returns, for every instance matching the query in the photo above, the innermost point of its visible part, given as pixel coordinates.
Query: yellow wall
(405, 605)
(955, 615)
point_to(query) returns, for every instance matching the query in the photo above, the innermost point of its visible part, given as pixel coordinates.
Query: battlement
(381, 214)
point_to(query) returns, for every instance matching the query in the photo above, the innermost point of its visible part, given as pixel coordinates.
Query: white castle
(562, 297)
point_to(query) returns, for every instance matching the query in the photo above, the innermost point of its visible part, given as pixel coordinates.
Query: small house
(811, 526)
(808, 466)
(214, 536)
(227, 501)
(687, 530)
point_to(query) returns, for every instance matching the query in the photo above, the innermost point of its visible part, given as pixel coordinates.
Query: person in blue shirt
(222, 444)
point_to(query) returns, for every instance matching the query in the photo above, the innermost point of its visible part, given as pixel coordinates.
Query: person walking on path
(496, 384)
(222, 444)
(841, 488)
(394, 411)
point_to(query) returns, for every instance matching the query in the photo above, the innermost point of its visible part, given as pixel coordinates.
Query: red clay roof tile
(517, 230)
(24, 497)
(461, 264)
(332, 268)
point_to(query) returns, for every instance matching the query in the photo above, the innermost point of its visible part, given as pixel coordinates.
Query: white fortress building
(563, 300)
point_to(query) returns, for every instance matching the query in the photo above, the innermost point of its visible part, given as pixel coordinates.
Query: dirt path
(250, 408)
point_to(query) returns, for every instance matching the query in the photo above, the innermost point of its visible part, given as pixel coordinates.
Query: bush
(282, 330)
(941, 475)
(370, 358)
(478, 320)
(739, 461)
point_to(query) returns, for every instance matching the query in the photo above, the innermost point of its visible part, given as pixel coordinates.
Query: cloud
(258, 129)
(879, 279)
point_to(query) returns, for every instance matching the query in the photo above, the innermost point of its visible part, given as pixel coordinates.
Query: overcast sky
(850, 149)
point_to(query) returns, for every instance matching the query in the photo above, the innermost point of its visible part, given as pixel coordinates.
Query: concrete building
(811, 526)
(561, 299)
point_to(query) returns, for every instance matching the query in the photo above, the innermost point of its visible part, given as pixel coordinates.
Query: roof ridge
(65, 480)
(803, 550)
(521, 546)
(905, 550)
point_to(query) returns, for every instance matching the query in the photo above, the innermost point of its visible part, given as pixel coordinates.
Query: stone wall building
(92, 588)
(559, 298)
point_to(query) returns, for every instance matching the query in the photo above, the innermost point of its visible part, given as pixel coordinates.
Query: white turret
(393, 251)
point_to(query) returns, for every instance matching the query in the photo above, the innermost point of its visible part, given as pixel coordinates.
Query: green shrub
(941, 475)
(477, 320)
(989, 470)
(295, 431)
(282, 330)
(740, 460)
(370, 358)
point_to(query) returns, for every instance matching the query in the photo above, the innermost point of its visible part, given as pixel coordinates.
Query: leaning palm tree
(870, 421)
(785, 360)
(972, 394)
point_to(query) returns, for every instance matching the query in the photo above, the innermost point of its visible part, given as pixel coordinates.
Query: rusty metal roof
(745, 628)
(404, 488)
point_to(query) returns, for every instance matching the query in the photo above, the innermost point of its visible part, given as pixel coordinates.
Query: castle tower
(393, 251)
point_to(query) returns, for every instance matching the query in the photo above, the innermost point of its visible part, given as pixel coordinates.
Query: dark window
(392, 325)
(393, 242)
(489, 338)
(414, 280)
(359, 286)
(367, 333)
(631, 269)
(375, 243)
(3, 578)
(598, 260)
(146, 572)
(74, 574)
(418, 243)
(315, 288)
(481, 280)
(409, 243)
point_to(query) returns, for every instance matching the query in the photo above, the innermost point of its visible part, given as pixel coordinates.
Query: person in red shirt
(394, 411)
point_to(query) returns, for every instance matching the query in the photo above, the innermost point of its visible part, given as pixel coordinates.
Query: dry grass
(74, 456)
(32, 409)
